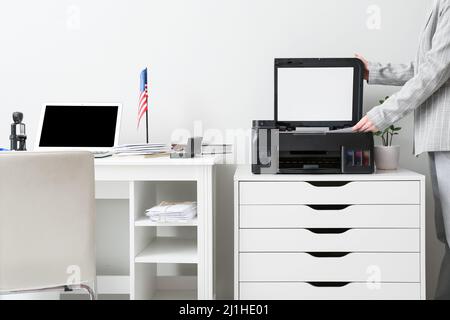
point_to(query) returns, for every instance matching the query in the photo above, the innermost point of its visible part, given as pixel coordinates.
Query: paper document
(173, 212)
(345, 130)
(321, 130)
(141, 149)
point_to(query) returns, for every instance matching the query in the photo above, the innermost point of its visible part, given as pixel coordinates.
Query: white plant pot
(387, 158)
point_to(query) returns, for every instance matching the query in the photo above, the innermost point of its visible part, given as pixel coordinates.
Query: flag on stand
(143, 96)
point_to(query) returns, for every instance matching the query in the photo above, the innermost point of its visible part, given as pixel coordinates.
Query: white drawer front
(355, 216)
(355, 267)
(357, 192)
(353, 240)
(306, 291)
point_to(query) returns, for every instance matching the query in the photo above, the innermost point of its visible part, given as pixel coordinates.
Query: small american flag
(143, 96)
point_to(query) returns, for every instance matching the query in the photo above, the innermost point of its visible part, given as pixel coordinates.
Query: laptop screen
(79, 126)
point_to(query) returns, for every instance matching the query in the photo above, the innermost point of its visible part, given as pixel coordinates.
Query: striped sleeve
(433, 73)
(390, 74)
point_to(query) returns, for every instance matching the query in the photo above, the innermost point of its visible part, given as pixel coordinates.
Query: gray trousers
(440, 179)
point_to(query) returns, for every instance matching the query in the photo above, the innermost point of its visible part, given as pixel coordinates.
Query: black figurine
(18, 135)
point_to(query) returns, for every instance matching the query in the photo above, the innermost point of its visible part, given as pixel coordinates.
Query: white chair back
(47, 220)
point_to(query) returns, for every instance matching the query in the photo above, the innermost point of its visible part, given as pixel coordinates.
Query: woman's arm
(387, 74)
(433, 73)
(390, 74)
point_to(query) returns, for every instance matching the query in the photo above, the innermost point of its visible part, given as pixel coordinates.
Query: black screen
(79, 126)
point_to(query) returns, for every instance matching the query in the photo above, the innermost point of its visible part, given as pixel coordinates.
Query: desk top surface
(244, 173)
(156, 161)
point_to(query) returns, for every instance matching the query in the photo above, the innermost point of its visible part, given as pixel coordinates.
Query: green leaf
(383, 100)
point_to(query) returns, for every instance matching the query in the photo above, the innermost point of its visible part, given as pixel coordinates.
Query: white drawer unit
(357, 267)
(329, 236)
(338, 192)
(332, 291)
(326, 216)
(336, 240)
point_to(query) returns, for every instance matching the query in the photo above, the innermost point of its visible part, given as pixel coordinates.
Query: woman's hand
(365, 125)
(366, 65)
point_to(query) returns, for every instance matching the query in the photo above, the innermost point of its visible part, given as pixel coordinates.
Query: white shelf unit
(139, 183)
(155, 245)
(175, 295)
(112, 243)
(169, 250)
(146, 222)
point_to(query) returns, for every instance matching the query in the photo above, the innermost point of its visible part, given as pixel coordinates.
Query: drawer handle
(329, 207)
(328, 230)
(328, 183)
(328, 254)
(329, 284)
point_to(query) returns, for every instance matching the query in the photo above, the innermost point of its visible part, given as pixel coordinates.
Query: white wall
(208, 60)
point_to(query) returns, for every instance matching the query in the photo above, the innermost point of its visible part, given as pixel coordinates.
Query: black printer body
(313, 144)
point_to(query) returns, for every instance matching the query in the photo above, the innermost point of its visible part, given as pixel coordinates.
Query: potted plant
(387, 155)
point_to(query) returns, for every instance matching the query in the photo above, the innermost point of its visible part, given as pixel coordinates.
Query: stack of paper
(173, 212)
(141, 149)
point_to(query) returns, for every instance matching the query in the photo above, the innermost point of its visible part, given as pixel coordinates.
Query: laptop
(88, 126)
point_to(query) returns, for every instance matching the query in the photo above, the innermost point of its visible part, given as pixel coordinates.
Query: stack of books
(141, 149)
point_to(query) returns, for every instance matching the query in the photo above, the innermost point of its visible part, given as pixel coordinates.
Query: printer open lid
(318, 92)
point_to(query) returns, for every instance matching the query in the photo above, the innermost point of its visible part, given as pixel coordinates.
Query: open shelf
(175, 295)
(146, 222)
(113, 284)
(169, 250)
(166, 254)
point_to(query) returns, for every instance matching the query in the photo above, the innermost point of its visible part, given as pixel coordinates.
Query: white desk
(329, 236)
(147, 249)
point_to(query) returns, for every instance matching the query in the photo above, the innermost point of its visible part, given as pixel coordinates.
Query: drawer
(323, 240)
(307, 291)
(329, 216)
(353, 267)
(356, 192)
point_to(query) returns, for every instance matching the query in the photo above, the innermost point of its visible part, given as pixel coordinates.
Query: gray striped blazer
(426, 86)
